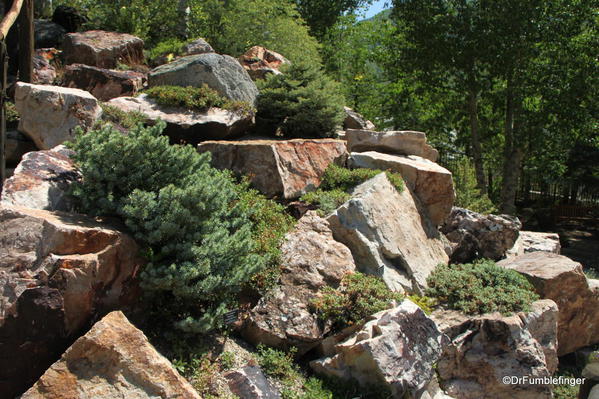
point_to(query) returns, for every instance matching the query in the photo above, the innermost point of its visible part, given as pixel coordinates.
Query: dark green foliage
(337, 183)
(199, 240)
(300, 103)
(467, 194)
(117, 116)
(270, 224)
(167, 49)
(358, 297)
(194, 98)
(481, 287)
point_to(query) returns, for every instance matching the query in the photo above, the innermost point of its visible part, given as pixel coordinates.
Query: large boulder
(397, 348)
(17, 145)
(113, 360)
(561, 279)
(42, 181)
(495, 356)
(102, 49)
(473, 235)
(104, 84)
(49, 114)
(189, 126)
(220, 72)
(432, 183)
(278, 168)
(531, 241)
(58, 272)
(260, 61)
(310, 260)
(391, 142)
(389, 234)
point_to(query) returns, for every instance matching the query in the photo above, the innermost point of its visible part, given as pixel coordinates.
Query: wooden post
(3, 72)
(26, 42)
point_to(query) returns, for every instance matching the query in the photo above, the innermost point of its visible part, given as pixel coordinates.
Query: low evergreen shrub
(199, 237)
(481, 287)
(167, 49)
(194, 98)
(12, 115)
(358, 297)
(302, 102)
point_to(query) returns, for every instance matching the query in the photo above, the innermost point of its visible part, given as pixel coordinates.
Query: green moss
(195, 98)
(117, 116)
(481, 287)
(358, 297)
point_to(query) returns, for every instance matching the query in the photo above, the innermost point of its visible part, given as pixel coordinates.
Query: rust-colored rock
(104, 84)
(113, 360)
(260, 61)
(278, 168)
(103, 49)
(58, 272)
(561, 279)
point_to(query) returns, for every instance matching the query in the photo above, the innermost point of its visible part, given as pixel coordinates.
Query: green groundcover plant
(481, 287)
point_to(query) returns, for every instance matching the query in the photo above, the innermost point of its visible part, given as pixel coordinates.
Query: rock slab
(49, 114)
(398, 348)
(58, 271)
(250, 383)
(220, 72)
(113, 360)
(389, 234)
(391, 142)
(278, 168)
(432, 183)
(183, 125)
(311, 260)
(354, 120)
(531, 241)
(102, 49)
(561, 279)
(42, 181)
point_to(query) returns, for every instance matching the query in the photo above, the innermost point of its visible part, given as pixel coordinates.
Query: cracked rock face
(42, 181)
(389, 234)
(397, 348)
(485, 349)
(311, 260)
(58, 271)
(113, 360)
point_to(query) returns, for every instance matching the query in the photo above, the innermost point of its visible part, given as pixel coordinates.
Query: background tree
(323, 14)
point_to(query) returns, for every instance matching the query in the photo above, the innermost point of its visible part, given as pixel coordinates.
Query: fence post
(3, 74)
(26, 42)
